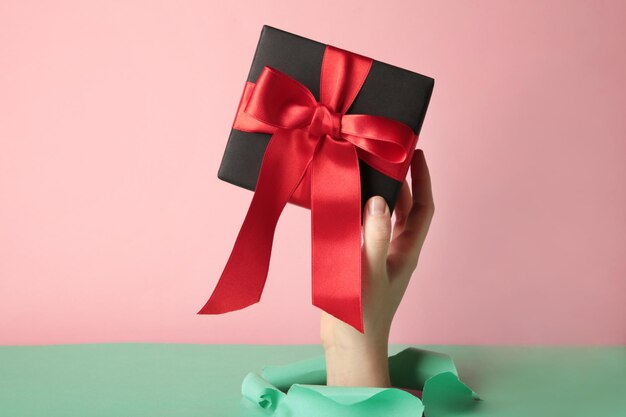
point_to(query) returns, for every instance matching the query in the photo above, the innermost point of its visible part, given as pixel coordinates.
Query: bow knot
(325, 121)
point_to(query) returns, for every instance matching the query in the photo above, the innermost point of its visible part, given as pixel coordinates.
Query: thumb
(376, 234)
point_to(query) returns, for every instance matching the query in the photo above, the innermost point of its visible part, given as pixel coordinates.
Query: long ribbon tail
(243, 279)
(336, 231)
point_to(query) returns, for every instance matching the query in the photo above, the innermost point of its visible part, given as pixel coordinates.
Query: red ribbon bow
(311, 157)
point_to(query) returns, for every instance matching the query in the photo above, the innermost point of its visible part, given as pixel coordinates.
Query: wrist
(354, 358)
(364, 365)
(370, 350)
(357, 342)
(339, 336)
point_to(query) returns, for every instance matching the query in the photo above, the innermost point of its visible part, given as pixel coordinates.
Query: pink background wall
(114, 116)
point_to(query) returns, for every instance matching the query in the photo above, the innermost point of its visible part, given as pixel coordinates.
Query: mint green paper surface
(154, 380)
(413, 368)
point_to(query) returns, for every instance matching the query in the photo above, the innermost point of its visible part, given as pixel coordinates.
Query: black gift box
(388, 91)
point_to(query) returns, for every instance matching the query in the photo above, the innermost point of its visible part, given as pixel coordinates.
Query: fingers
(421, 192)
(422, 210)
(376, 235)
(420, 180)
(403, 206)
(414, 211)
(407, 243)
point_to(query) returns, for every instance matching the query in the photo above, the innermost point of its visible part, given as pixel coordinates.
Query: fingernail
(377, 206)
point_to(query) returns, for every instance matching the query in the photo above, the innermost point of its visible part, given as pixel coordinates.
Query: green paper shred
(299, 389)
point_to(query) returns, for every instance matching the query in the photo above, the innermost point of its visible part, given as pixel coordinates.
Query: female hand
(361, 359)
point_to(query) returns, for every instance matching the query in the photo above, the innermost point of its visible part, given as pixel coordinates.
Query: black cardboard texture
(388, 91)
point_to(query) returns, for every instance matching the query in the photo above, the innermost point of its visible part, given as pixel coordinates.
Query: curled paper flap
(445, 395)
(317, 400)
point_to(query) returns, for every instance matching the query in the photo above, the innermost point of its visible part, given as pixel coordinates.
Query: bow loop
(281, 101)
(385, 138)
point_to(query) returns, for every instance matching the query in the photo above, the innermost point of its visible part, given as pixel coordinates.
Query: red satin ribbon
(312, 158)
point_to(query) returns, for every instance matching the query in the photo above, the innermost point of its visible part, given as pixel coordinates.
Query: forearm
(364, 365)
